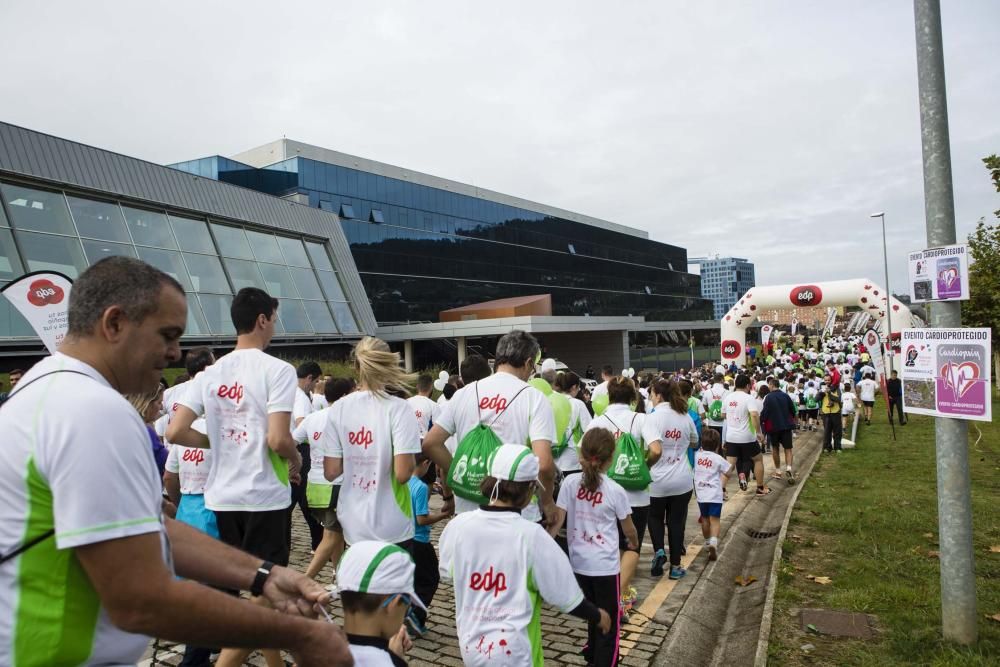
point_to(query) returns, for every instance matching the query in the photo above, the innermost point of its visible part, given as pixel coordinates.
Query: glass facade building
(724, 280)
(238, 239)
(423, 245)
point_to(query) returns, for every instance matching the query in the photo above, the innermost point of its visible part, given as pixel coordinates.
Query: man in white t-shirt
(712, 399)
(247, 398)
(81, 514)
(516, 411)
(308, 373)
(866, 392)
(607, 373)
(743, 432)
(424, 409)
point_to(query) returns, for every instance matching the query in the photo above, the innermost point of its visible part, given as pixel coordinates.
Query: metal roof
(25, 152)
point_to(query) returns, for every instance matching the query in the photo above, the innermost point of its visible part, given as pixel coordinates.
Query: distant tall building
(724, 280)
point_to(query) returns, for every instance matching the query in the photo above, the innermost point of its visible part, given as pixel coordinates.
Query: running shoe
(633, 596)
(743, 482)
(676, 572)
(791, 477)
(713, 551)
(659, 559)
(414, 626)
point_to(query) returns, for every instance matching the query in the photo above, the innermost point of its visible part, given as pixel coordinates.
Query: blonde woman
(371, 438)
(149, 405)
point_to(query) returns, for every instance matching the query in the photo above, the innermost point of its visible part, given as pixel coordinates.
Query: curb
(760, 658)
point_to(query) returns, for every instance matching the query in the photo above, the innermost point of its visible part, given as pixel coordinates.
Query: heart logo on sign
(949, 276)
(960, 377)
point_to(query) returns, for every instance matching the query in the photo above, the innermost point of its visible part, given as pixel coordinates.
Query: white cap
(379, 568)
(720, 369)
(513, 463)
(548, 365)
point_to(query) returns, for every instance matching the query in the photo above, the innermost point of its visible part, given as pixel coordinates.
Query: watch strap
(263, 572)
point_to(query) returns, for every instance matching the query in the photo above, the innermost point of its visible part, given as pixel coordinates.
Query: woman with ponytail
(671, 429)
(618, 418)
(371, 438)
(599, 521)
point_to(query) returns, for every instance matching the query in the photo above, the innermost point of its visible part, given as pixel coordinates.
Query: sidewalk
(643, 638)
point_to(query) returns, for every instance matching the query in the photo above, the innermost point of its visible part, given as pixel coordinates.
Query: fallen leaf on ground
(798, 538)
(933, 554)
(812, 628)
(994, 617)
(995, 548)
(745, 581)
(820, 580)
(929, 535)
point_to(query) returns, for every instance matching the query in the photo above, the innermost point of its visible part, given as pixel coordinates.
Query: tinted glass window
(98, 250)
(168, 261)
(149, 228)
(192, 234)
(243, 274)
(345, 319)
(216, 309)
(196, 324)
(331, 286)
(12, 323)
(305, 282)
(277, 283)
(44, 252)
(10, 263)
(3, 218)
(232, 242)
(37, 210)
(294, 253)
(265, 247)
(293, 316)
(317, 253)
(98, 220)
(319, 315)
(206, 273)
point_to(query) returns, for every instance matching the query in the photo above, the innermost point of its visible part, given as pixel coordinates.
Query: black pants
(299, 498)
(426, 577)
(833, 427)
(195, 656)
(896, 403)
(603, 592)
(674, 510)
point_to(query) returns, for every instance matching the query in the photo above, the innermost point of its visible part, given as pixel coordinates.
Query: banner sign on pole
(765, 334)
(42, 297)
(939, 274)
(946, 373)
(795, 325)
(831, 319)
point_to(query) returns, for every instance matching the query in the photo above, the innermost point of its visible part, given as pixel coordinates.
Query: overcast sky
(767, 129)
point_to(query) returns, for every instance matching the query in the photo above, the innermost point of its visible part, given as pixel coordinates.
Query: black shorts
(783, 438)
(811, 413)
(742, 450)
(262, 534)
(328, 517)
(869, 404)
(639, 517)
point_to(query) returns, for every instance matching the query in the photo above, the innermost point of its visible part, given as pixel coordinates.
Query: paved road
(660, 600)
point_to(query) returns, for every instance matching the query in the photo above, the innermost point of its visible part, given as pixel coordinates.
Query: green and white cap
(379, 568)
(514, 463)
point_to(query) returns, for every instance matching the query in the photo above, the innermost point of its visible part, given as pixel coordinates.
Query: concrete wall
(596, 348)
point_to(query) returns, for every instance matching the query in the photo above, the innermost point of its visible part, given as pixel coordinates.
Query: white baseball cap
(514, 463)
(548, 365)
(379, 568)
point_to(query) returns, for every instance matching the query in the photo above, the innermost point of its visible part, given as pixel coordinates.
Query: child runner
(598, 516)
(375, 582)
(426, 578)
(710, 477)
(503, 566)
(850, 402)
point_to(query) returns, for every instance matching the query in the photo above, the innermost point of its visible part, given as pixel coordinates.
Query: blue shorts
(192, 511)
(710, 509)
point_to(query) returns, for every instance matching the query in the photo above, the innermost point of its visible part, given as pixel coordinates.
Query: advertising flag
(42, 297)
(765, 334)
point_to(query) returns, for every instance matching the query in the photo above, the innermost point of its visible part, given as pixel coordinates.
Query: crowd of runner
(547, 488)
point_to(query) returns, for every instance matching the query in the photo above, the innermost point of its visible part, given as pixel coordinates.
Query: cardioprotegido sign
(946, 372)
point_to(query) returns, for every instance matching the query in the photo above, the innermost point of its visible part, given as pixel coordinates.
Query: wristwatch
(263, 572)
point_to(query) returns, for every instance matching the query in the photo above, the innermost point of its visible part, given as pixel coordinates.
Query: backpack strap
(501, 413)
(605, 415)
(51, 531)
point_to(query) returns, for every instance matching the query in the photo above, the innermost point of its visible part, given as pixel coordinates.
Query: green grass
(867, 519)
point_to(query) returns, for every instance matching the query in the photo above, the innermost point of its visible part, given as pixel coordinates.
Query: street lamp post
(888, 299)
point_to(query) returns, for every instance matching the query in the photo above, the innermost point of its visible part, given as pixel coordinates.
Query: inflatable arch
(870, 297)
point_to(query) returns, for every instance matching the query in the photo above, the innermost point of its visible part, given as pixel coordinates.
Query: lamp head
(877, 215)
